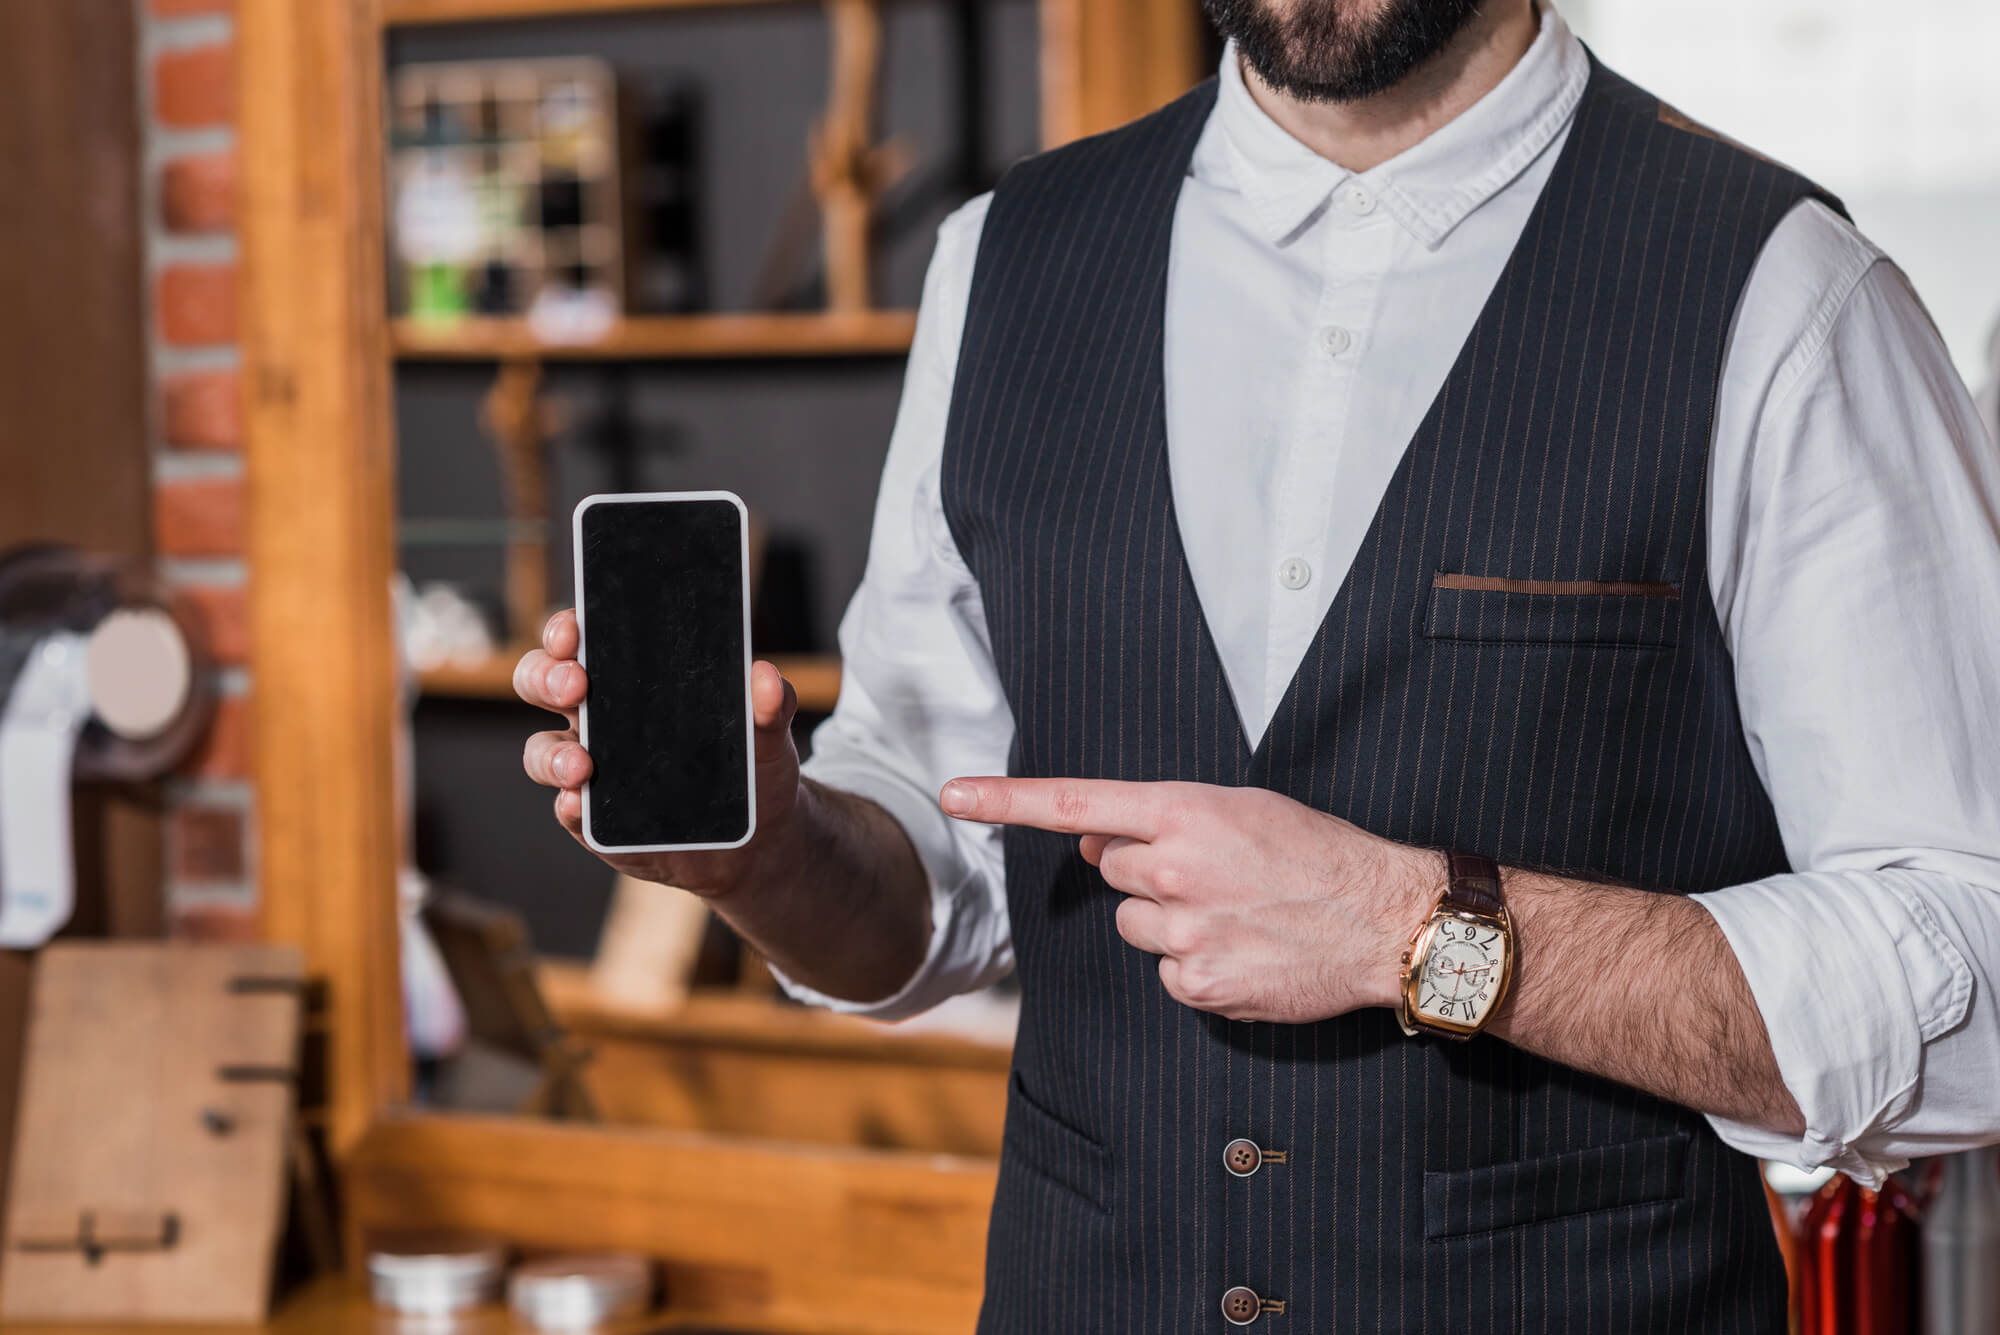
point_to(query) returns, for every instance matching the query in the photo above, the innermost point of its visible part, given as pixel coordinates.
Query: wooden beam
(775, 1237)
(321, 540)
(1106, 62)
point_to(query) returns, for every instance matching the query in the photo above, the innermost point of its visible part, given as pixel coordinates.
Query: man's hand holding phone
(693, 785)
(551, 678)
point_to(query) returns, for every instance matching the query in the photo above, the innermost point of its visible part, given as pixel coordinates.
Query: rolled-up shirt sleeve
(920, 700)
(1856, 546)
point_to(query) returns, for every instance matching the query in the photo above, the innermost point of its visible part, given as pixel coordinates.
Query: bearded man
(1451, 608)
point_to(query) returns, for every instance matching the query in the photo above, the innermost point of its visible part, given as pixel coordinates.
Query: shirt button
(1360, 199)
(1240, 1306)
(1334, 340)
(1242, 1157)
(1294, 573)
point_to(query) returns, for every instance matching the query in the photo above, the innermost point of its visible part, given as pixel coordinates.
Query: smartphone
(663, 616)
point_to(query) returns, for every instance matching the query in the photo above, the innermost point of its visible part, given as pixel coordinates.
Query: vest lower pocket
(1038, 1140)
(1558, 1186)
(1565, 613)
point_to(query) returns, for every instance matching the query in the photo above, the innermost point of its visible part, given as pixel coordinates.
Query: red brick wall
(188, 91)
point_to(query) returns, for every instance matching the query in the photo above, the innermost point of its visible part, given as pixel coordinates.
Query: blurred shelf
(666, 337)
(816, 678)
(726, 1018)
(474, 11)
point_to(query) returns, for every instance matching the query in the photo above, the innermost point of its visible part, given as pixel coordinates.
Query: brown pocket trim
(1613, 587)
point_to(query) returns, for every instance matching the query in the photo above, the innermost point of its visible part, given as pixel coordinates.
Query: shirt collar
(1430, 187)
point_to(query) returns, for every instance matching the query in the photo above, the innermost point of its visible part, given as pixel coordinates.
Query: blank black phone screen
(662, 601)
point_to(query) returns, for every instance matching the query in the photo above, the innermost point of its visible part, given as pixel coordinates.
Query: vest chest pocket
(1611, 614)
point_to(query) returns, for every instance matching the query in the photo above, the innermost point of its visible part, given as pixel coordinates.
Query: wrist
(1414, 879)
(771, 856)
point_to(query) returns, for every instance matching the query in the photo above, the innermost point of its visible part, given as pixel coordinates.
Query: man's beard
(1321, 52)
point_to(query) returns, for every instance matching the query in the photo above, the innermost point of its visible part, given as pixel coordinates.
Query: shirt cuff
(1852, 975)
(968, 950)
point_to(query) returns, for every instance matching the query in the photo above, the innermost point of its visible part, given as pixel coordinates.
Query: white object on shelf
(435, 1275)
(580, 1292)
(42, 716)
(440, 627)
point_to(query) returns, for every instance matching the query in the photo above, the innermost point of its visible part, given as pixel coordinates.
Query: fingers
(1143, 925)
(569, 811)
(550, 678)
(554, 760)
(554, 684)
(560, 637)
(1068, 806)
(1092, 848)
(1131, 867)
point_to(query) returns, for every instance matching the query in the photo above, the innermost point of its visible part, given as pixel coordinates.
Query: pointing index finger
(1067, 806)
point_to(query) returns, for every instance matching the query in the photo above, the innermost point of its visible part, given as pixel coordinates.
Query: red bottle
(1886, 1261)
(1826, 1255)
(1858, 1254)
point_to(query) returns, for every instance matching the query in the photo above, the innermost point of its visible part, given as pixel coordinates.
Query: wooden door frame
(321, 482)
(321, 544)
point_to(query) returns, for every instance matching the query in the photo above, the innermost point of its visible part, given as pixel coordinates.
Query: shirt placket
(1354, 241)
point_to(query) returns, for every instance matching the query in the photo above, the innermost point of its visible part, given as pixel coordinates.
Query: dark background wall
(801, 440)
(73, 438)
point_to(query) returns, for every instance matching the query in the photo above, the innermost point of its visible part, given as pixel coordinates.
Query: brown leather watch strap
(1472, 883)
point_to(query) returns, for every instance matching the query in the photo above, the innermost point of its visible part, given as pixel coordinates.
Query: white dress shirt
(1854, 536)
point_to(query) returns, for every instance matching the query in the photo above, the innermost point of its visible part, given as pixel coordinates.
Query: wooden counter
(752, 1235)
(339, 1307)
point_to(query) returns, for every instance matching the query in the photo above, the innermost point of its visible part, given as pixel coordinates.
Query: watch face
(1462, 972)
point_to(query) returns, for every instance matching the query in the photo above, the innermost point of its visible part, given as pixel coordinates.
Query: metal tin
(1962, 1246)
(435, 1274)
(580, 1291)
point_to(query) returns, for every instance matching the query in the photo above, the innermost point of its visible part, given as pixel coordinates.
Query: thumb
(773, 703)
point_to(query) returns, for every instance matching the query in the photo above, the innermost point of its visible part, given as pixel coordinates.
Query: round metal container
(435, 1275)
(580, 1292)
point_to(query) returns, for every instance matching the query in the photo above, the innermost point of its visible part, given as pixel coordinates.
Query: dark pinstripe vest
(1428, 1186)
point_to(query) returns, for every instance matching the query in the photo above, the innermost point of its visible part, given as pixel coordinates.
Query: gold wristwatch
(1461, 958)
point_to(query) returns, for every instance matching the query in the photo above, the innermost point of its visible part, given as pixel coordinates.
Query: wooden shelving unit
(667, 337)
(754, 1235)
(816, 678)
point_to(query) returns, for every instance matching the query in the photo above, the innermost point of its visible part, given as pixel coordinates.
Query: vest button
(1242, 1157)
(1240, 1306)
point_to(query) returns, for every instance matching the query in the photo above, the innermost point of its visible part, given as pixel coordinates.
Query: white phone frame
(583, 661)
